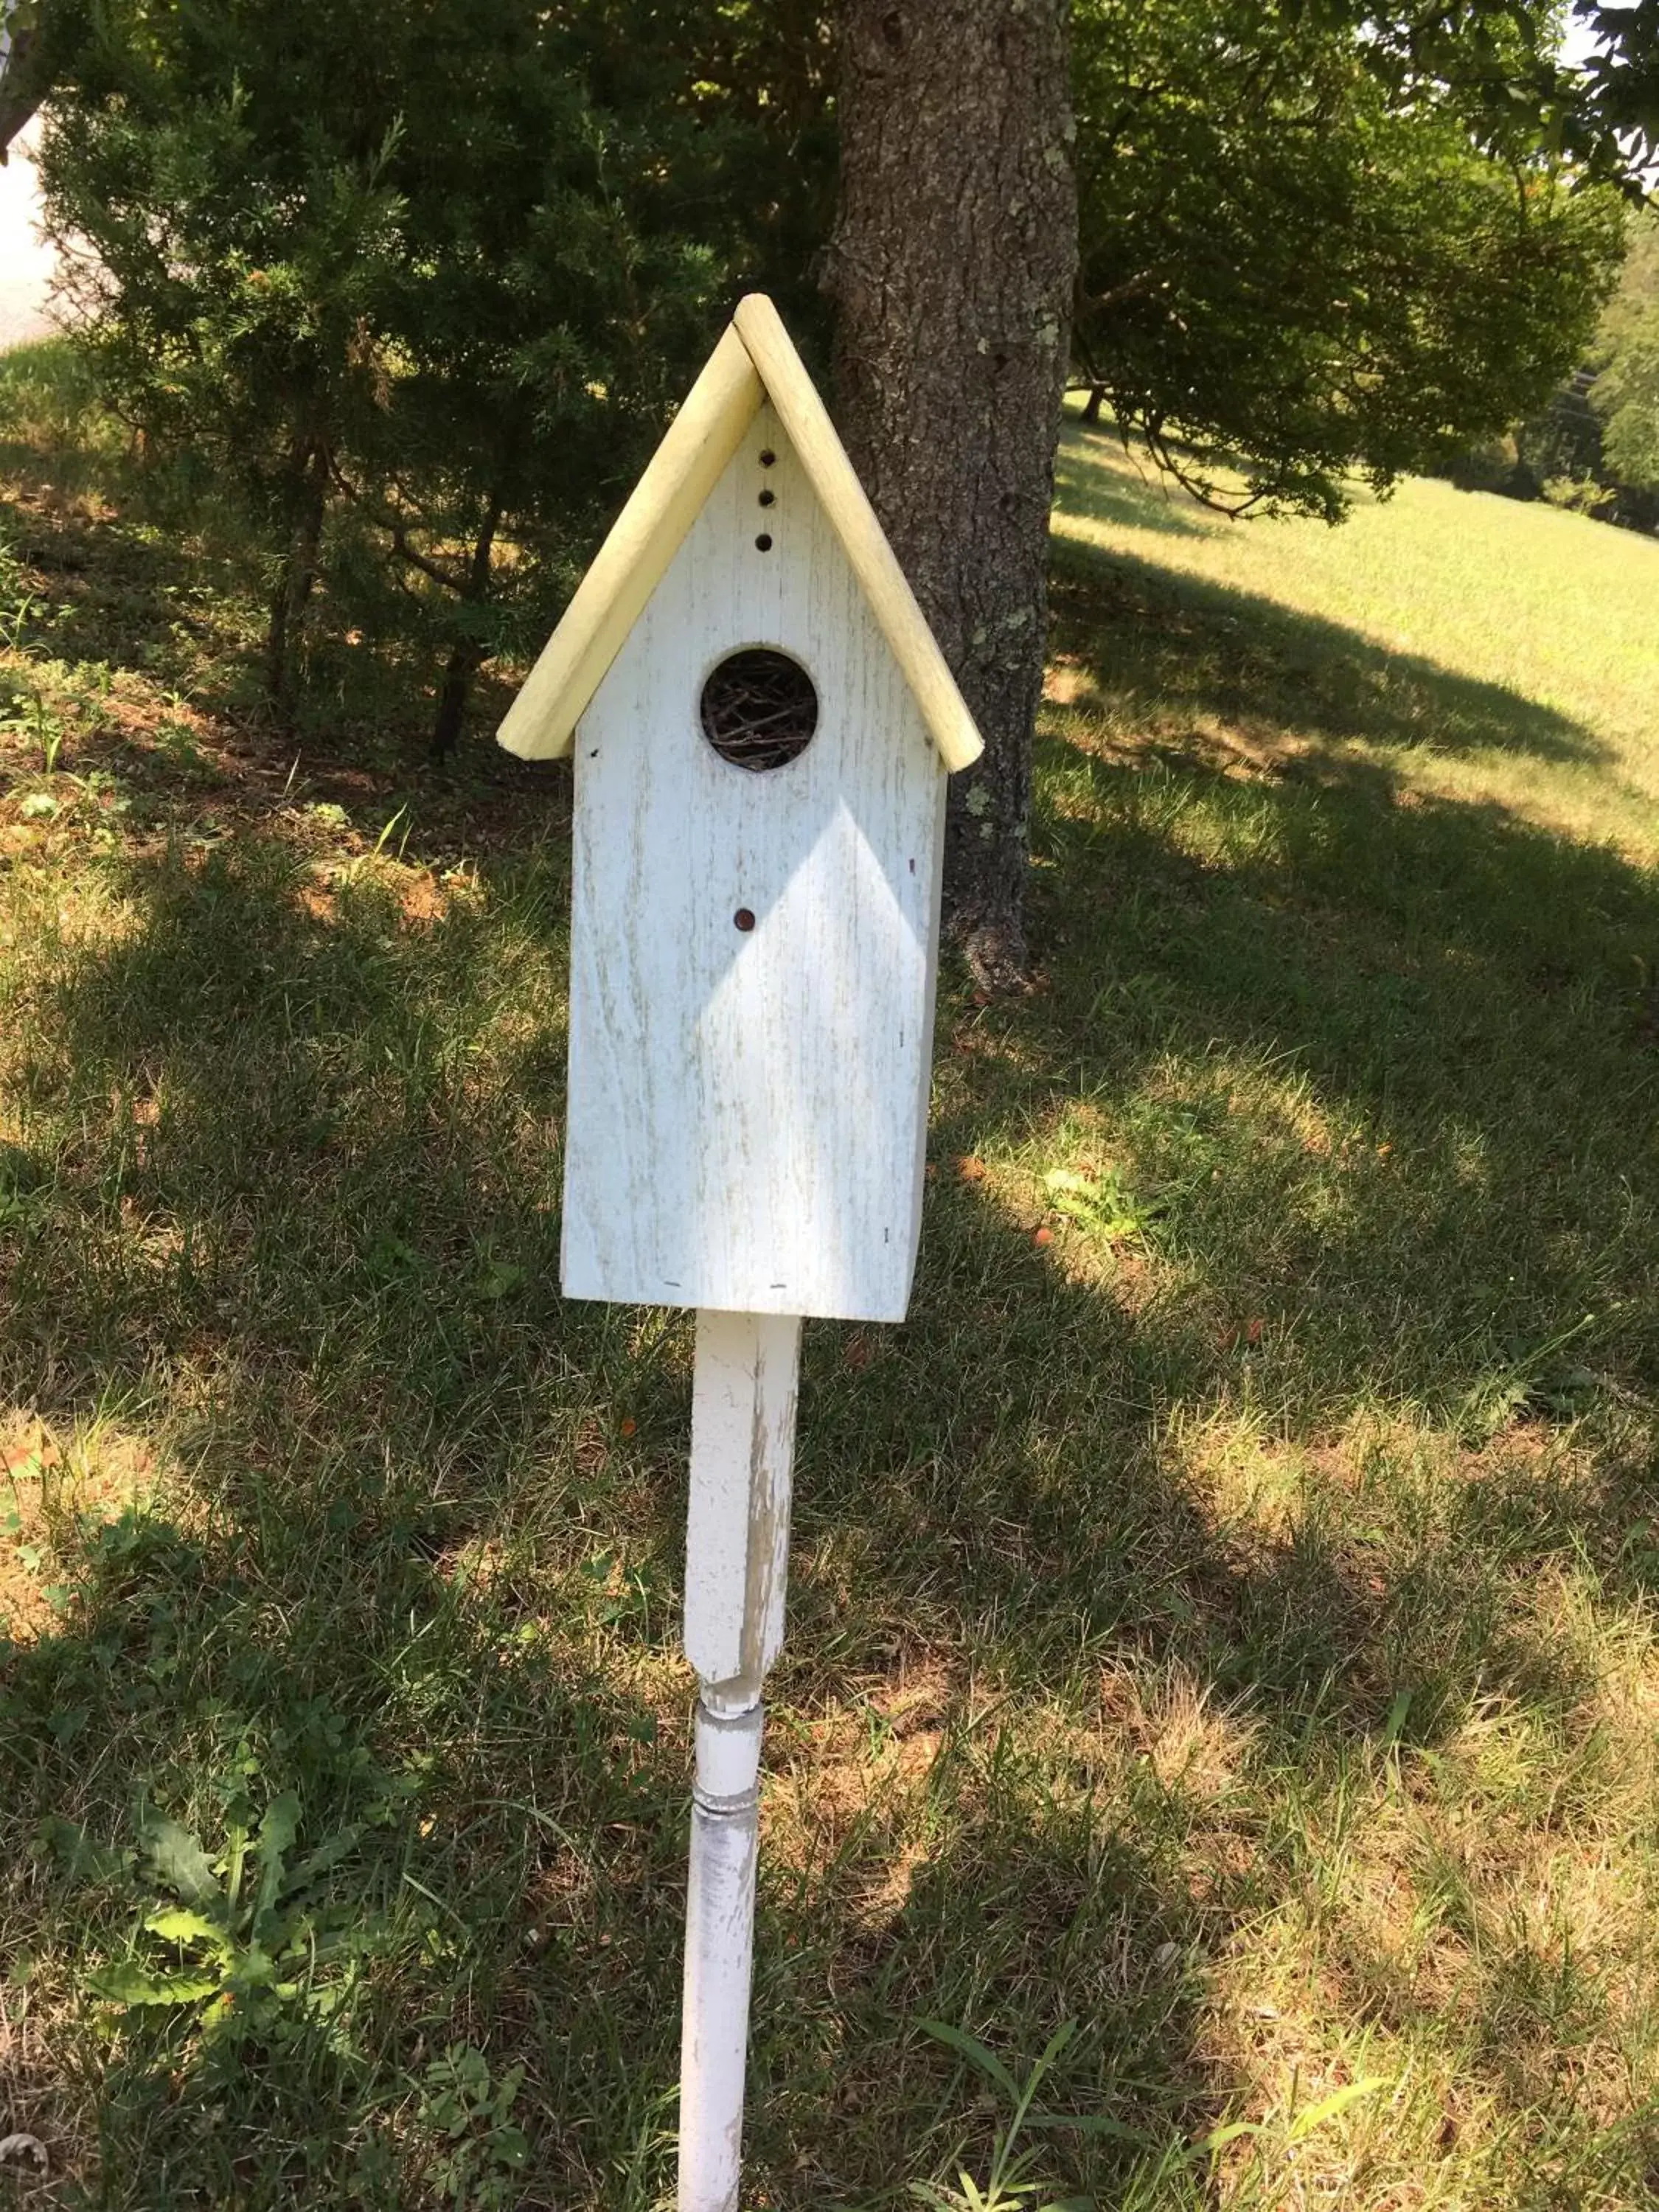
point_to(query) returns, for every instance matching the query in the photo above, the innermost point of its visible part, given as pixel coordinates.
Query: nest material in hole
(759, 709)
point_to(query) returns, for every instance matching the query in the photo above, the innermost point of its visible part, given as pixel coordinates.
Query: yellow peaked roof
(754, 361)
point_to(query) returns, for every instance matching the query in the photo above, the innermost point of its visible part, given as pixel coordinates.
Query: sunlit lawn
(1515, 653)
(1223, 1617)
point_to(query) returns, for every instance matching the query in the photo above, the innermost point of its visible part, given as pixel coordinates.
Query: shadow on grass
(285, 1197)
(1286, 685)
(1140, 501)
(146, 567)
(207, 1672)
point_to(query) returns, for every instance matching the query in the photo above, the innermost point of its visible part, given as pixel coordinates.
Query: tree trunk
(459, 670)
(1091, 405)
(26, 75)
(952, 271)
(467, 655)
(308, 500)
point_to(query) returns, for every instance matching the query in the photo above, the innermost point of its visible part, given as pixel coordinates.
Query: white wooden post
(743, 1443)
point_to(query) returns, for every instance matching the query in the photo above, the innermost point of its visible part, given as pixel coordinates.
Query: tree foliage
(1501, 67)
(424, 277)
(1625, 394)
(1628, 400)
(1303, 268)
(1596, 447)
(437, 270)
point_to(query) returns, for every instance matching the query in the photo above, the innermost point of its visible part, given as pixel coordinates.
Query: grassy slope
(1515, 654)
(1223, 1617)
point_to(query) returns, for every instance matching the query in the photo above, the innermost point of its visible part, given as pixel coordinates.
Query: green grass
(1223, 1617)
(1480, 650)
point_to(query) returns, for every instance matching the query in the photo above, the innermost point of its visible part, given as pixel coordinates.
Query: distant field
(1224, 1618)
(1481, 648)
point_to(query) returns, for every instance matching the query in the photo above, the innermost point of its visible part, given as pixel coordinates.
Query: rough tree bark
(952, 271)
(306, 502)
(26, 71)
(467, 655)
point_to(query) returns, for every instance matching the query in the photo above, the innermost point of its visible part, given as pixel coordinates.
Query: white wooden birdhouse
(761, 726)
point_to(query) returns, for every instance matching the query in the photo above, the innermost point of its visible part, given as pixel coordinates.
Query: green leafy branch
(245, 1934)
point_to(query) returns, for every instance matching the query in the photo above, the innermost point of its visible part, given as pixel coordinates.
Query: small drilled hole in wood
(743, 918)
(768, 498)
(759, 709)
(764, 542)
(768, 458)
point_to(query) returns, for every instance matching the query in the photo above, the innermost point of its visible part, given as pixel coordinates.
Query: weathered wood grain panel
(737, 1534)
(748, 1109)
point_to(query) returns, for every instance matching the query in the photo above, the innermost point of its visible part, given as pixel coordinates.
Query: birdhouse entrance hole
(759, 708)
